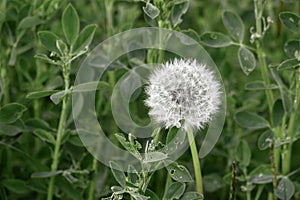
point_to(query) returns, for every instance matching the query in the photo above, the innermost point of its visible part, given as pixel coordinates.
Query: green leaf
(250, 120)
(44, 135)
(9, 113)
(278, 112)
(292, 48)
(40, 94)
(132, 146)
(16, 186)
(45, 174)
(259, 85)
(70, 24)
(215, 39)
(191, 196)
(62, 47)
(10, 130)
(243, 153)
(154, 157)
(151, 194)
(285, 189)
(179, 173)
(265, 139)
(179, 9)
(68, 189)
(29, 22)
(151, 11)
(261, 175)
(48, 40)
(58, 96)
(46, 59)
(291, 21)
(138, 196)
(91, 86)
(289, 64)
(213, 182)
(175, 191)
(118, 173)
(234, 25)
(246, 59)
(84, 39)
(33, 124)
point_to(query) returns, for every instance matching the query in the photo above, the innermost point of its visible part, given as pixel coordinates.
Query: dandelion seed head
(183, 93)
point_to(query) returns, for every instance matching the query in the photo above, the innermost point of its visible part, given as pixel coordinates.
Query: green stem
(292, 128)
(59, 136)
(196, 162)
(259, 191)
(60, 131)
(93, 182)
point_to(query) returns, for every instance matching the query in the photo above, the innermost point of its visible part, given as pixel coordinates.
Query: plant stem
(258, 8)
(274, 176)
(292, 128)
(60, 131)
(93, 182)
(59, 136)
(196, 162)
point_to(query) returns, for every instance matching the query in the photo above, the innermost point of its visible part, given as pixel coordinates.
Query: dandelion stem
(196, 162)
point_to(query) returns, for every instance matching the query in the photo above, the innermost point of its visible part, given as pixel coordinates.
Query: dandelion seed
(183, 93)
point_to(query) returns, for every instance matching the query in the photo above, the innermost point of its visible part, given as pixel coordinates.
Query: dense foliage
(254, 43)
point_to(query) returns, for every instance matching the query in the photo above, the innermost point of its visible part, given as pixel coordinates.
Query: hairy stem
(196, 162)
(60, 131)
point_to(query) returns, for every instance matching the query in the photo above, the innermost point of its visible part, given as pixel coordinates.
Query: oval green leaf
(247, 60)
(118, 173)
(179, 9)
(265, 139)
(278, 112)
(179, 173)
(243, 153)
(234, 25)
(250, 120)
(151, 11)
(289, 64)
(9, 113)
(291, 21)
(84, 39)
(175, 191)
(285, 189)
(70, 24)
(292, 48)
(16, 186)
(48, 40)
(44, 135)
(191, 196)
(215, 39)
(45, 174)
(40, 94)
(29, 22)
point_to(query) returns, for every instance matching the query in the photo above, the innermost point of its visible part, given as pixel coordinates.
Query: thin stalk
(59, 136)
(60, 131)
(292, 128)
(93, 182)
(258, 8)
(259, 191)
(168, 182)
(196, 162)
(274, 176)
